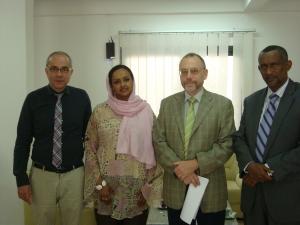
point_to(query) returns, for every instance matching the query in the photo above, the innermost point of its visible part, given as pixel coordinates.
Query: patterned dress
(125, 175)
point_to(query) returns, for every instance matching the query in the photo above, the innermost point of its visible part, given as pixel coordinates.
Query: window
(154, 60)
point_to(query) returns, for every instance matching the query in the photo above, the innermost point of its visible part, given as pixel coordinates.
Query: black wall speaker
(110, 50)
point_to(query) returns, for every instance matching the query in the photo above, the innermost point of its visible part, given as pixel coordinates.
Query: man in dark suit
(267, 145)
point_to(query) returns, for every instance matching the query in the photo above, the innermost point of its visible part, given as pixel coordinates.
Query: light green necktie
(189, 122)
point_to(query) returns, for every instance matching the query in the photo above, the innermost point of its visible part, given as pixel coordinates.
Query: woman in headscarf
(121, 175)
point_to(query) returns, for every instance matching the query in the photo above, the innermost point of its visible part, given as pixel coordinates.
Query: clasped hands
(257, 172)
(105, 194)
(185, 171)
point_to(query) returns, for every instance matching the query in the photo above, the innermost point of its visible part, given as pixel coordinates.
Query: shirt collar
(197, 96)
(280, 91)
(52, 92)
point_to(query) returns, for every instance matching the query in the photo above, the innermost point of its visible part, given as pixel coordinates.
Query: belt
(54, 169)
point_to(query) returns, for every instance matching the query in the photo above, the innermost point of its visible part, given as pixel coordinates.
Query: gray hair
(192, 54)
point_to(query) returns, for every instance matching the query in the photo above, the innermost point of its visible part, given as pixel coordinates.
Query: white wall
(84, 36)
(13, 86)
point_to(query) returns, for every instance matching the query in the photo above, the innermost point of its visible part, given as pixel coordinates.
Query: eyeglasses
(55, 69)
(193, 71)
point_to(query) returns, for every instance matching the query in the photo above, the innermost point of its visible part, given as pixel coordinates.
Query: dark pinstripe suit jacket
(282, 153)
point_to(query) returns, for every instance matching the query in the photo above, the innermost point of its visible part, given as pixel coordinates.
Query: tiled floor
(159, 217)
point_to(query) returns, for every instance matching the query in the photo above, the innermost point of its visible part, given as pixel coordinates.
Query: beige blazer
(210, 144)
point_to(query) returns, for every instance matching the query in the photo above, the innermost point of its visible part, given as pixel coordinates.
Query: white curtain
(154, 60)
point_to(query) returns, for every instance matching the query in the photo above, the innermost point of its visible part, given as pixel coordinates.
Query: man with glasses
(55, 116)
(192, 137)
(267, 145)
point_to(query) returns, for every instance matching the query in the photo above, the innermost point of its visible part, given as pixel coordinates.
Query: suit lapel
(179, 113)
(284, 106)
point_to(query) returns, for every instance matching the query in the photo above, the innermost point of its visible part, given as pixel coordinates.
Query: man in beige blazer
(208, 148)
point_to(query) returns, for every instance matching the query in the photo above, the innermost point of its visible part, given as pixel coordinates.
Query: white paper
(192, 200)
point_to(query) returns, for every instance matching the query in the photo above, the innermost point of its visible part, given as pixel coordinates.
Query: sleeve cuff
(246, 167)
(22, 180)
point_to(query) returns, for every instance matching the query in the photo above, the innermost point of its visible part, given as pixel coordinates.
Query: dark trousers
(107, 220)
(259, 213)
(217, 218)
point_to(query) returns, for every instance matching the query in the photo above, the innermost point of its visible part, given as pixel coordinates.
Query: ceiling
(271, 5)
(164, 6)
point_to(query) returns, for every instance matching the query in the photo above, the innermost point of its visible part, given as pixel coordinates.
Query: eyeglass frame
(193, 71)
(55, 69)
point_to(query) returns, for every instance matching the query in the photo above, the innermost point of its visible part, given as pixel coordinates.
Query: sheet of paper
(192, 201)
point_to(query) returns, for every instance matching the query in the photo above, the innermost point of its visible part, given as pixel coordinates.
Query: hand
(141, 200)
(192, 179)
(105, 194)
(259, 172)
(249, 181)
(185, 168)
(24, 193)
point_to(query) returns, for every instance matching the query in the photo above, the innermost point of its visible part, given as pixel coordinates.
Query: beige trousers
(57, 190)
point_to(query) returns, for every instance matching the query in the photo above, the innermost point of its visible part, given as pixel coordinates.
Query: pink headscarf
(135, 135)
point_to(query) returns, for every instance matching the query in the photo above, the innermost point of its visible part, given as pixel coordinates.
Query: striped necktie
(57, 134)
(189, 122)
(265, 127)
